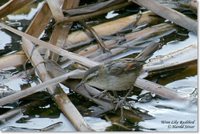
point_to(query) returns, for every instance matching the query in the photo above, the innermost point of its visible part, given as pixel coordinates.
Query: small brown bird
(118, 75)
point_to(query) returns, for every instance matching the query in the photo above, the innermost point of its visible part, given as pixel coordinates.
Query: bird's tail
(147, 52)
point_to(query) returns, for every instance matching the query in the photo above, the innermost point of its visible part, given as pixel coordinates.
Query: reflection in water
(170, 115)
(97, 123)
(4, 39)
(37, 124)
(28, 16)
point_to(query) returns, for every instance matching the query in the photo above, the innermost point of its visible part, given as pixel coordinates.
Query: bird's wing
(124, 66)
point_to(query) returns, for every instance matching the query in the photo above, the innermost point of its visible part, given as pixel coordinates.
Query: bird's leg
(120, 104)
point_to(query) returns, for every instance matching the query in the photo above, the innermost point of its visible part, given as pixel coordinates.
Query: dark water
(167, 115)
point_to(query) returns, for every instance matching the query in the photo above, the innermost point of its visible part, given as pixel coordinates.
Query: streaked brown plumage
(114, 76)
(118, 75)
